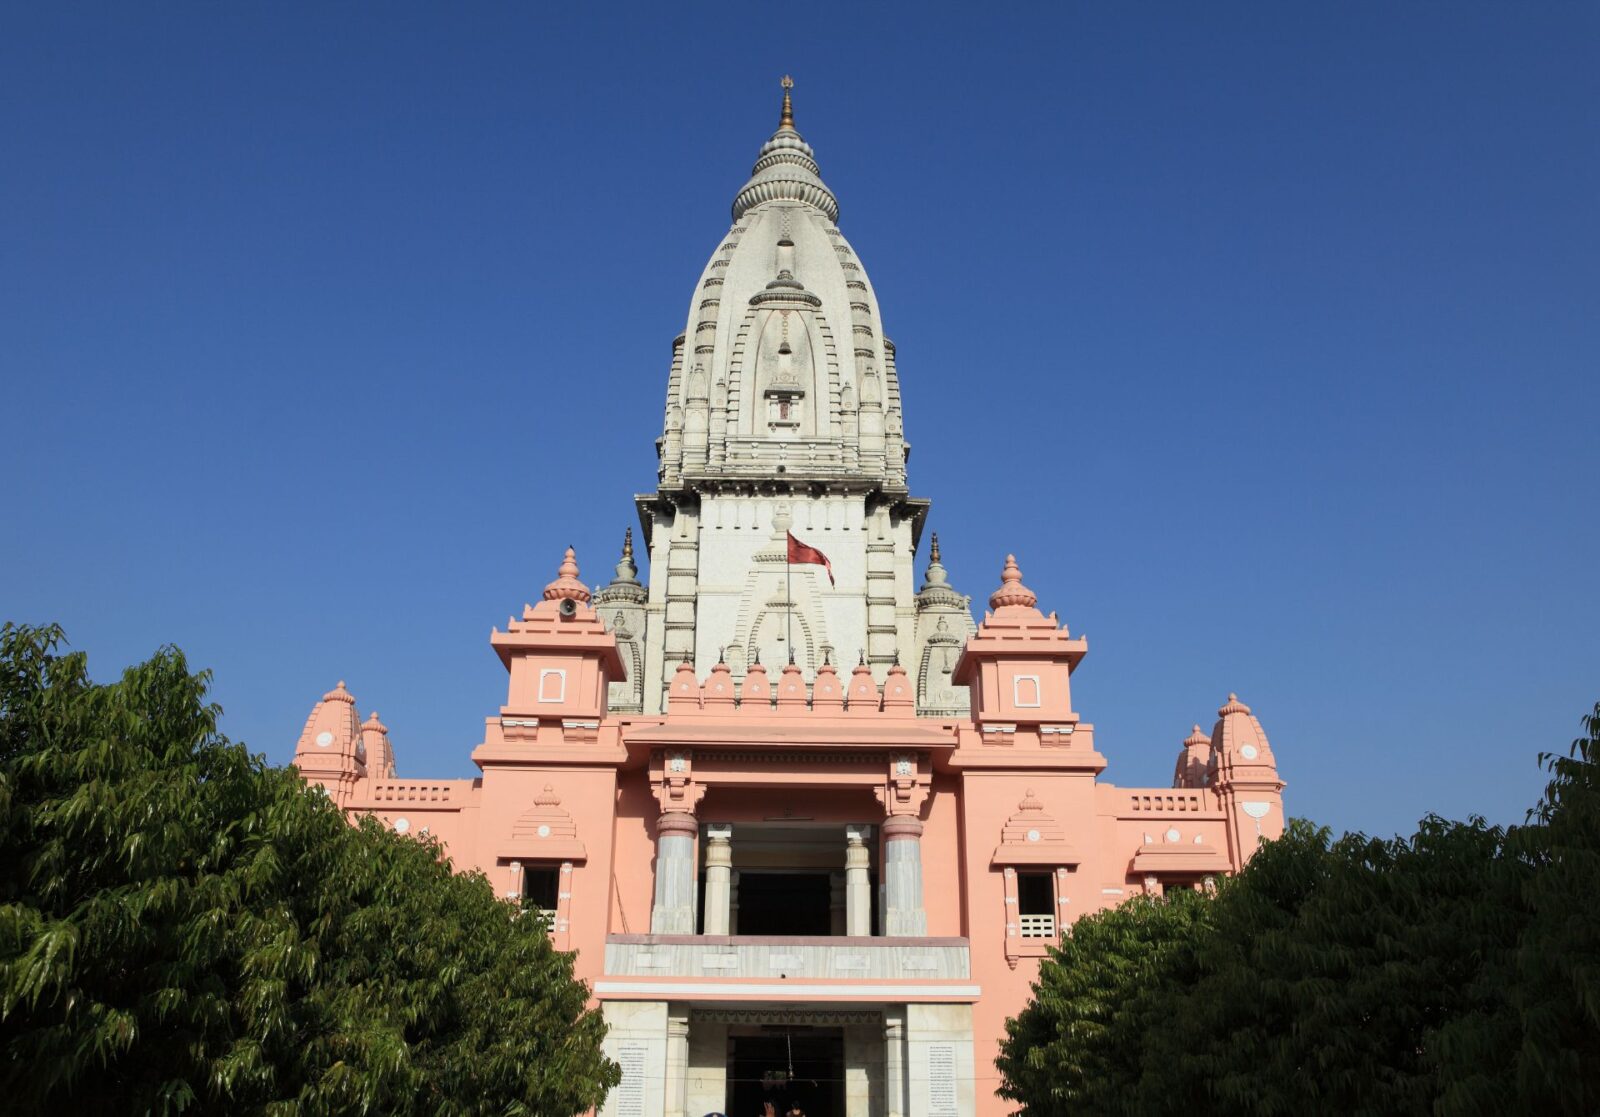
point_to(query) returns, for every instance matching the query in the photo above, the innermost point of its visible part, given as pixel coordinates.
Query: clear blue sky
(324, 328)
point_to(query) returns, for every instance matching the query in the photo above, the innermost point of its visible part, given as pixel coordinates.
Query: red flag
(800, 553)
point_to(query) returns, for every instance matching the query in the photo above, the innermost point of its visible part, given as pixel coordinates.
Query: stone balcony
(737, 966)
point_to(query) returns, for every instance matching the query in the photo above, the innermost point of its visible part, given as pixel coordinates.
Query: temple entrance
(784, 1064)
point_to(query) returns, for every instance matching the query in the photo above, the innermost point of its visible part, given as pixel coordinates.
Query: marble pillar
(673, 911)
(894, 1062)
(902, 876)
(677, 1085)
(857, 886)
(719, 879)
(837, 923)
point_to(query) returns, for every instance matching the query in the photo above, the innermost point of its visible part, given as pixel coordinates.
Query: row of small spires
(1012, 593)
(862, 695)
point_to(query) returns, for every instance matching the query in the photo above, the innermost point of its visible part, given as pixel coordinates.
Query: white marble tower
(783, 413)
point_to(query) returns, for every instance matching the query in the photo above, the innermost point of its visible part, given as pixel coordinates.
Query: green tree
(1320, 975)
(1534, 1044)
(184, 929)
(1073, 1049)
(1453, 972)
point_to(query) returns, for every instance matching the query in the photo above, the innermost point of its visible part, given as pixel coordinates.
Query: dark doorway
(785, 904)
(784, 1065)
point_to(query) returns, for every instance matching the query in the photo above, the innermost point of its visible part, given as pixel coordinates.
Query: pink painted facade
(802, 881)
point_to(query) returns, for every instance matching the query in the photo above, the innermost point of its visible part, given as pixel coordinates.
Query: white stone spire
(783, 413)
(786, 170)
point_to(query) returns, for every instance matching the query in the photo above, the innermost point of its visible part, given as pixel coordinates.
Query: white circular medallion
(401, 825)
(1248, 752)
(1033, 835)
(1173, 835)
(544, 830)
(324, 739)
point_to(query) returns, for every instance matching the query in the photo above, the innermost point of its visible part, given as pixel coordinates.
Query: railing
(391, 791)
(819, 958)
(1170, 803)
(1038, 926)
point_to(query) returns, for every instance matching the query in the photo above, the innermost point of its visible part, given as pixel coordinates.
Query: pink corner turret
(561, 661)
(1019, 666)
(1244, 774)
(380, 753)
(1194, 758)
(330, 752)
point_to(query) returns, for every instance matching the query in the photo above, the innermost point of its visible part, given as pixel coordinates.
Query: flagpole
(788, 597)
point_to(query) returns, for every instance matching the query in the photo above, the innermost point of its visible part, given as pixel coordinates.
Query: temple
(807, 827)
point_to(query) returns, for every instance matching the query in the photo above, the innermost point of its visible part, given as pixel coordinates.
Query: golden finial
(787, 119)
(627, 544)
(933, 551)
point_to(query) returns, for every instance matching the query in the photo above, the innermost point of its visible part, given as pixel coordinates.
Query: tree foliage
(184, 929)
(1453, 972)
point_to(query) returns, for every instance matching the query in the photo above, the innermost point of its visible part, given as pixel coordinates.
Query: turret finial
(627, 543)
(566, 586)
(933, 551)
(1012, 592)
(787, 119)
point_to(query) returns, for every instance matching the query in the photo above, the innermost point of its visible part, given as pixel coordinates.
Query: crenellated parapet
(756, 695)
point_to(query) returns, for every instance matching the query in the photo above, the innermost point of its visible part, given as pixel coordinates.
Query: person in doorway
(794, 1110)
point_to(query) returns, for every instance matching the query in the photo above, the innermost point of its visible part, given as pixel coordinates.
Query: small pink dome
(340, 694)
(566, 586)
(1012, 591)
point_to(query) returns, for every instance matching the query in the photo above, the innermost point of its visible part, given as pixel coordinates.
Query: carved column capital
(901, 827)
(677, 822)
(907, 784)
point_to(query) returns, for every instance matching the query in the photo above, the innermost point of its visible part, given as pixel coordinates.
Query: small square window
(1036, 905)
(541, 889)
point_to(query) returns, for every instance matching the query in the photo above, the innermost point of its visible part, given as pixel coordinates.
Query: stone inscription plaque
(942, 1080)
(630, 1092)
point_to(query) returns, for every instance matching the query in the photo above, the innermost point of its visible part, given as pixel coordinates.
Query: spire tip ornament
(566, 586)
(1012, 592)
(786, 119)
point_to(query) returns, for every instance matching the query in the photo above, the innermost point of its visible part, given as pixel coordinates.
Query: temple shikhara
(808, 828)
